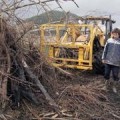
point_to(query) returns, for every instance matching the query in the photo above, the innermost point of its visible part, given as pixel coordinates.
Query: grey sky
(86, 7)
(95, 7)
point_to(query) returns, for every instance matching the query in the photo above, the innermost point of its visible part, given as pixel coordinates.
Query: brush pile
(21, 70)
(88, 102)
(26, 76)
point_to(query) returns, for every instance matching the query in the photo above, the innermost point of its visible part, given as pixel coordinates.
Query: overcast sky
(95, 7)
(86, 7)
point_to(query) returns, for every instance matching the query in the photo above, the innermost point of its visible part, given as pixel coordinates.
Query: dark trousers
(115, 72)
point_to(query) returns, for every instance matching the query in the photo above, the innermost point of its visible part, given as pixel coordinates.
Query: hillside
(50, 16)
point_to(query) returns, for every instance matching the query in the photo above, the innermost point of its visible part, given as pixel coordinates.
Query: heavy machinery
(76, 45)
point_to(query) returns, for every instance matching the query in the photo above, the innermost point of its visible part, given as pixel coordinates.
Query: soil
(79, 97)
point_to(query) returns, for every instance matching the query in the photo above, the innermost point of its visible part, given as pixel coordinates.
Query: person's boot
(106, 83)
(114, 86)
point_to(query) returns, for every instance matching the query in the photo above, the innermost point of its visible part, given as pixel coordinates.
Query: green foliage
(50, 16)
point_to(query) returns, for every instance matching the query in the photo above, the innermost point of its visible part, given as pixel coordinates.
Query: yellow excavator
(78, 45)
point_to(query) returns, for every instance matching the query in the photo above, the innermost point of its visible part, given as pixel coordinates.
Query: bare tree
(9, 37)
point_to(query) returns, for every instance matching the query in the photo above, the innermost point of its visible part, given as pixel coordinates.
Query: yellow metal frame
(85, 49)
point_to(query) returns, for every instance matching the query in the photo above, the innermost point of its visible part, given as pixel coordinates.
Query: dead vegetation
(32, 89)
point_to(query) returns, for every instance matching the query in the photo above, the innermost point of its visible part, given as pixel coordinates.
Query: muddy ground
(80, 97)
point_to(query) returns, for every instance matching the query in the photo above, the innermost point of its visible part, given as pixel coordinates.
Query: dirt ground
(80, 97)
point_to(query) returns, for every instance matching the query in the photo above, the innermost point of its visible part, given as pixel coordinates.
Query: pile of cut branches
(88, 101)
(22, 71)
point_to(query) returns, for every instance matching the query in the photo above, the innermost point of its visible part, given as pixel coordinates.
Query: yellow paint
(69, 41)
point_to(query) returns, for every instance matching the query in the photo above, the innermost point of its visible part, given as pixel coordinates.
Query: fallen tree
(17, 78)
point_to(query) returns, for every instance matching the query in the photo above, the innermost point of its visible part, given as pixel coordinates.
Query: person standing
(111, 58)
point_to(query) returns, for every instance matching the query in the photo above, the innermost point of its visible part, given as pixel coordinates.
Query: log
(19, 91)
(39, 85)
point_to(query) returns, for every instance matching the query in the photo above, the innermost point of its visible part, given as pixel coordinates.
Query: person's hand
(103, 61)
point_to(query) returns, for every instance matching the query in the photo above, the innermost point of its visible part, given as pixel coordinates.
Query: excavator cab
(105, 23)
(76, 46)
